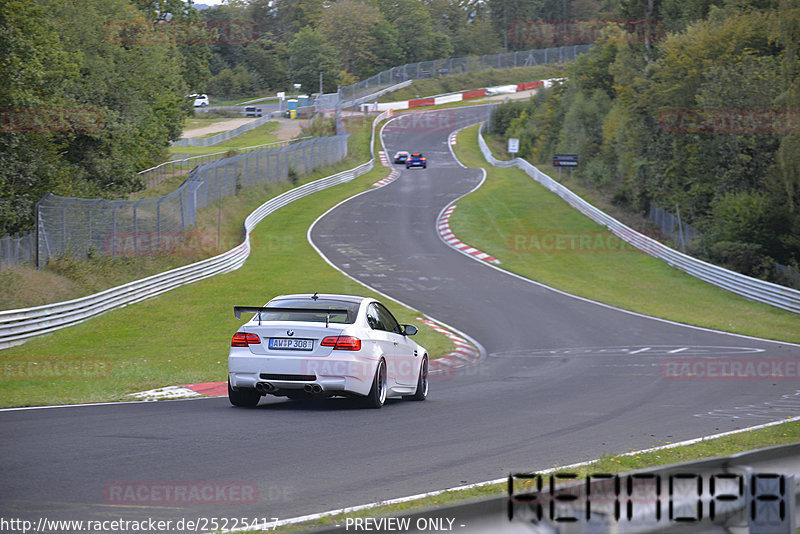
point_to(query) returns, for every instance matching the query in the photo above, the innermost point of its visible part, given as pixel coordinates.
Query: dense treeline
(92, 91)
(80, 112)
(707, 118)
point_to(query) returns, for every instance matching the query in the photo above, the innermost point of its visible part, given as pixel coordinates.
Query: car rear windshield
(311, 316)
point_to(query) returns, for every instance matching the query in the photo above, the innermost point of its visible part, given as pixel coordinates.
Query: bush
(745, 258)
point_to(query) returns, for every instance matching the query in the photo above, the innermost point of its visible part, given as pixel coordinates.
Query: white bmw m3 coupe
(299, 346)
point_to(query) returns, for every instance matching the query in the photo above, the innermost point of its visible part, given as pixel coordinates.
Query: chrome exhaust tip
(264, 387)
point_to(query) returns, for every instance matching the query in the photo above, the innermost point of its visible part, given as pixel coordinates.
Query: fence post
(114, 229)
(180, 203)
(246, 170)
(36, 224)
(158, 222)
(136, 227)
(91, 209)
(680, 227)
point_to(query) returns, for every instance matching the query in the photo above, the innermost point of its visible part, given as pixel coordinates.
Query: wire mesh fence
(17, 249)
(442, 67)
(85, 227)
(684, 234)
(671, 226)
(182, 164)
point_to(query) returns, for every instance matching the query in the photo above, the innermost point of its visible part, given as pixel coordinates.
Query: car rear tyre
(243, 397)
(422, 383)
(377, 395)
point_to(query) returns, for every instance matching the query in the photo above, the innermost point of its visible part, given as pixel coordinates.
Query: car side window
(387, 319)
(373, 318)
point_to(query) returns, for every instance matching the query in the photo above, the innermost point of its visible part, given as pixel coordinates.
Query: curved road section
(563, 380)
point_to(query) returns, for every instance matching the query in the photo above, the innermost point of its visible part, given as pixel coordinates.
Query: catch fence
(350, 94)
(85, 227)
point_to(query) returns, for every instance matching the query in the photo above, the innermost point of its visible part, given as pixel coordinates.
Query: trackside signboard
(565, 160)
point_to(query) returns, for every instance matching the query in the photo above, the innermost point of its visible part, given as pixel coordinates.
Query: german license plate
(290, 343)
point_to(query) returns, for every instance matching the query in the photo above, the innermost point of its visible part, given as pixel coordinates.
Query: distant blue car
(417, 160)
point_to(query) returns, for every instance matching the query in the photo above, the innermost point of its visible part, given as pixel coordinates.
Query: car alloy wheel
(377, 394)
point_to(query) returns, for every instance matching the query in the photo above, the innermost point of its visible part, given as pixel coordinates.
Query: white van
(200, 100)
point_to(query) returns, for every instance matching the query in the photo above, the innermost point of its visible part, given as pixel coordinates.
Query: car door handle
(395, 343)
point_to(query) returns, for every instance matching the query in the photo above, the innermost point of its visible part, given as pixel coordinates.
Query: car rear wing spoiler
(239, 310)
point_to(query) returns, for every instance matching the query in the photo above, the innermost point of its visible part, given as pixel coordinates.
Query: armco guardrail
(752, 288)
(16, 326)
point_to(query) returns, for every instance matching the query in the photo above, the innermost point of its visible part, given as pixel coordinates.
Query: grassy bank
(539, 236)
(183, 336)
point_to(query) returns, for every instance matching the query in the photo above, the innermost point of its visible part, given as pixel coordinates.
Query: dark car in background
(416, 159)
(401, 157)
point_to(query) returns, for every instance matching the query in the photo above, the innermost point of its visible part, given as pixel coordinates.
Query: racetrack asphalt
(563, 380)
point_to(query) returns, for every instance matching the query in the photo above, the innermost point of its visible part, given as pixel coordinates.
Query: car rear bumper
(334, 374)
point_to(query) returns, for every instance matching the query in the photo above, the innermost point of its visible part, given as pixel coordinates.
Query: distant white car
(200, 100)
(299, 346)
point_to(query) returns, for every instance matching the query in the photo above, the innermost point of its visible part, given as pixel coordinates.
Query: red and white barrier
(458, 97)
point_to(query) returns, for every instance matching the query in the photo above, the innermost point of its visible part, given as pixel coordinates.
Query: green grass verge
(257, 136)
(183, 336)
(472, 80)
(538, 235)
(779, 434)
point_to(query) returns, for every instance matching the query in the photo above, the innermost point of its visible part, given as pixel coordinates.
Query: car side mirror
(409, 330)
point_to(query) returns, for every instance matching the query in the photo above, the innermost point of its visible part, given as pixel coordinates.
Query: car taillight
(423, 159)
(243, 339)
(342, 342)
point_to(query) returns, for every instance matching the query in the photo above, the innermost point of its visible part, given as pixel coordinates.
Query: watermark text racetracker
(84, 369)
(186, 32)
(50, 120)
(190, 243)
(730, 121)
(194, 493)
(566, 32)
(195, 524)
(442, 121)
(728, 368)
(584, 242)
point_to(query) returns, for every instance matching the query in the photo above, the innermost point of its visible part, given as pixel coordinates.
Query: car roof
(325, 296)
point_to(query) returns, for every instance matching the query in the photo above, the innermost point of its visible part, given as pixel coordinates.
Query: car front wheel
(243, 397)
(377, 395)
